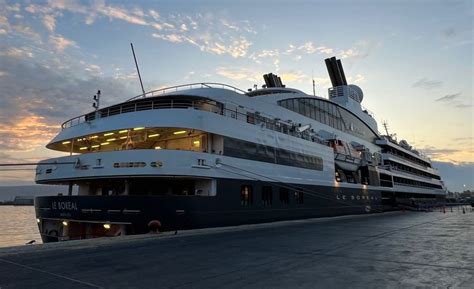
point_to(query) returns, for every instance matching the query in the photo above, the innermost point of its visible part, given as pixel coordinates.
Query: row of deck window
(247, 196)
(329, 114)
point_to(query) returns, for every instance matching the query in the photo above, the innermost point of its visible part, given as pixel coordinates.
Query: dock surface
(389, 250)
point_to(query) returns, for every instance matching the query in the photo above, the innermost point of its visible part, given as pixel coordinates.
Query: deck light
(158, 148)
(65, 223)
(138, 128)
(104, 143)
(95, 146)
(179, 132)
(66, 142)
(107, 226)
(123, 131)
(111, 139)
(154, 135)
(38, 220)
(109, 133)
(94, 136)
(82, 148)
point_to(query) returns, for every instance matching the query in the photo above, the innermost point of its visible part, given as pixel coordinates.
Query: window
(284, 196)
(246, 198)
(299, 197)
(267, 196)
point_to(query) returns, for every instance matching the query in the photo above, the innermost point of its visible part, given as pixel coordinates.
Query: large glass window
(330, 114)
(137, 138)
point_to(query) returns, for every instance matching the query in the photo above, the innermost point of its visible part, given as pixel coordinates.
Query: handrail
(251, 117)
(189, 86)
(82, 118)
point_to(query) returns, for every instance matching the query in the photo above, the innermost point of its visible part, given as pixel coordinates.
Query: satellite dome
(357, 90)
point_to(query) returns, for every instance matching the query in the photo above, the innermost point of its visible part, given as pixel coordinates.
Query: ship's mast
(385, 125)
(138, 70)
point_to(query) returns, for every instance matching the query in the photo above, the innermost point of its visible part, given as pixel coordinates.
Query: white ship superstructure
(209, 154)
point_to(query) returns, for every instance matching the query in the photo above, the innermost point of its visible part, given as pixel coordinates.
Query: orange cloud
(26, 134)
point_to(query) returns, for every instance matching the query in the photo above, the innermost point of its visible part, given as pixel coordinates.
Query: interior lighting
(154, 135)
(123, 137)
(196, 143)
(158, 148)
(95, 146)
(109, 133)
(66, 142)
(123, 131)
(65, 223)
(104, 143)
(94, 136)
(106, 226)
(82, 148)
(111, 139)
(138, 128)
(80, 139)
(38, 220)
(179, 132)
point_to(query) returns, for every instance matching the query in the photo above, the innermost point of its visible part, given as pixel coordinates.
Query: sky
(413, 60)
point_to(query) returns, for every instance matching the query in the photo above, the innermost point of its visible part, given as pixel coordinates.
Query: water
(18, 225)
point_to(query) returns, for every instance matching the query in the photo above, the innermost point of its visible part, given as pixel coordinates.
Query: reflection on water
(18, 225)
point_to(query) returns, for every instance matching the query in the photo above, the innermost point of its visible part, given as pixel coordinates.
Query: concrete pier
(390, 250)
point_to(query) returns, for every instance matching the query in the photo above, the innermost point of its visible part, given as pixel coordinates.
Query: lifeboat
(345, 156)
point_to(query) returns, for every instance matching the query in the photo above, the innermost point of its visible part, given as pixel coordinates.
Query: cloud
(154, 14)
(18, 52)
(449, 32)
(93, 69)
(463, 105)
(61, 43)
(49, 22)
(114, 12)
(239, 74)
(37, 99)
(458, 154)
(26, 31)
(427, 83)
(449, 97)
(174, 38)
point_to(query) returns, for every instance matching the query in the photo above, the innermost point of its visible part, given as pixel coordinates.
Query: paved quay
(389, 250)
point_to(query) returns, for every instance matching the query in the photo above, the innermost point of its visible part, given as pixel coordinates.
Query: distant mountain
(8, 193)
(455, 176)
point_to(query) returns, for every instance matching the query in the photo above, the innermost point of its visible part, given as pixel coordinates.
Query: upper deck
(137, 104)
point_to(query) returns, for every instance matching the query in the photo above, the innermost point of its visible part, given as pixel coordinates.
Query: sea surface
(18, 226)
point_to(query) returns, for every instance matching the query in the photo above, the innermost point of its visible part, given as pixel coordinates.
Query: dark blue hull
(224, 209)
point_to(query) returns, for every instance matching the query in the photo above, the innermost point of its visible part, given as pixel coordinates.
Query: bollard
(463, 211)
(444, 210)
(451, 209)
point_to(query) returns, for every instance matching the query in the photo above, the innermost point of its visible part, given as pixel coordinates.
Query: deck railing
(132, 107)
(255, 118)
(176, 88)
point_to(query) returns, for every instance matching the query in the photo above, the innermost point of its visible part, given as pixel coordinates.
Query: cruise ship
(208, 154)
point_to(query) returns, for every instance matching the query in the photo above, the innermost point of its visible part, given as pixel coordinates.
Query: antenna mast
(138, 70)
(314, 84)
(385, 125)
